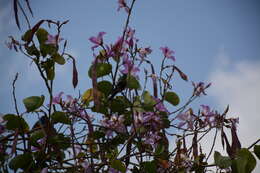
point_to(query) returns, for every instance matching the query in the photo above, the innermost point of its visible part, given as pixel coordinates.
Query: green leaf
(58, 59)
(32, 103)
(118, 165)
(48, 49)
(32, 50)
(102, 69)
(105, 87)
(42, 35)
(172, 98)
(27, 36)
(23, 161)
(39, 134)
(159, 149)
(245, 161)
(132, 82)
(257, 151)
(149, 167)
(222, 161)
(48, 66)
(60, 117)
(118, 105)
(60, 141)
(15, 122)
(148, 99)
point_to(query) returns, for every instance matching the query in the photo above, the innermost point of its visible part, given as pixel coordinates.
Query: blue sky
(215, 41)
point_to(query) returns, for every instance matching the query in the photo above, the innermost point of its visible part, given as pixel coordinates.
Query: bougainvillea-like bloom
(98, 40)
(53, 40)
(129, 68)
(168, 53)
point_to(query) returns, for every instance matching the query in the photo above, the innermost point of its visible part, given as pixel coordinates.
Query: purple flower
(168, 53)
(200, 88)
(97, 40)
(54, 40)
(129, 68)
(160, 106)
(143, 52)
(186, 118)
(114, 123)
(122, 4)
(152, 138)
(44, 170)
(57, 99)
(112, 170)
(87, 167)
(210, 116)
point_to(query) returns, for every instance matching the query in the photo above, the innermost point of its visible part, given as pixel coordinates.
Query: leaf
(32, 103)
(257, 151)
(148, 99)
(61, 141)
(88, 96)
(172, 98)
(149, 167)
(15, 122)
(39, 134)
(32, 50)
(245, 161)
(118, 165)
(222, 161)
(60, 117)
(58, 59)
(105, 87)
(132, 82)
(159, 149)
(42, 35)
(27, 37)
(102, 69)
(23, 161)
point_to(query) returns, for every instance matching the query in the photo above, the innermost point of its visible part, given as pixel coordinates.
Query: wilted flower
(54, 40)
(97, 40)
(168, 53)
(200, 88)
(122, 4)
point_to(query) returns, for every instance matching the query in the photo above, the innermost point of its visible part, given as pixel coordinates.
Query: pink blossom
(54, 40)
(115, 123)
(186, 118)
(210, 116)
(160, 106)
(57, 99)
(143, 52)
(129, 68)
(152, 138)
(44, 170)
(97, 40)
(168, 53)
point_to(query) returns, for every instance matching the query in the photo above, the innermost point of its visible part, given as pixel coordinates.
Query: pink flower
(97, 40)
(210, 116)
(168, 53)
(44, 170)
(143, 52)
(186, 118)
(122, 4)
(152, 138)
(129, 68)
(160, 106)
(54, 40)
(114, 123)
(57, 99)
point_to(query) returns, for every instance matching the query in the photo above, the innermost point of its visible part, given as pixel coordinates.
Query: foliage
(120, 124)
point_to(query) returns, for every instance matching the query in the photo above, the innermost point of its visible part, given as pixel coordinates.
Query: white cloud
(237, 84)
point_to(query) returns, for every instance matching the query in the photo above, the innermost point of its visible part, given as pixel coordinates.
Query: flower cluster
(114, 123)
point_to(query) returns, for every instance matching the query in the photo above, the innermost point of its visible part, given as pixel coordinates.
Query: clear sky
(215, 41)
